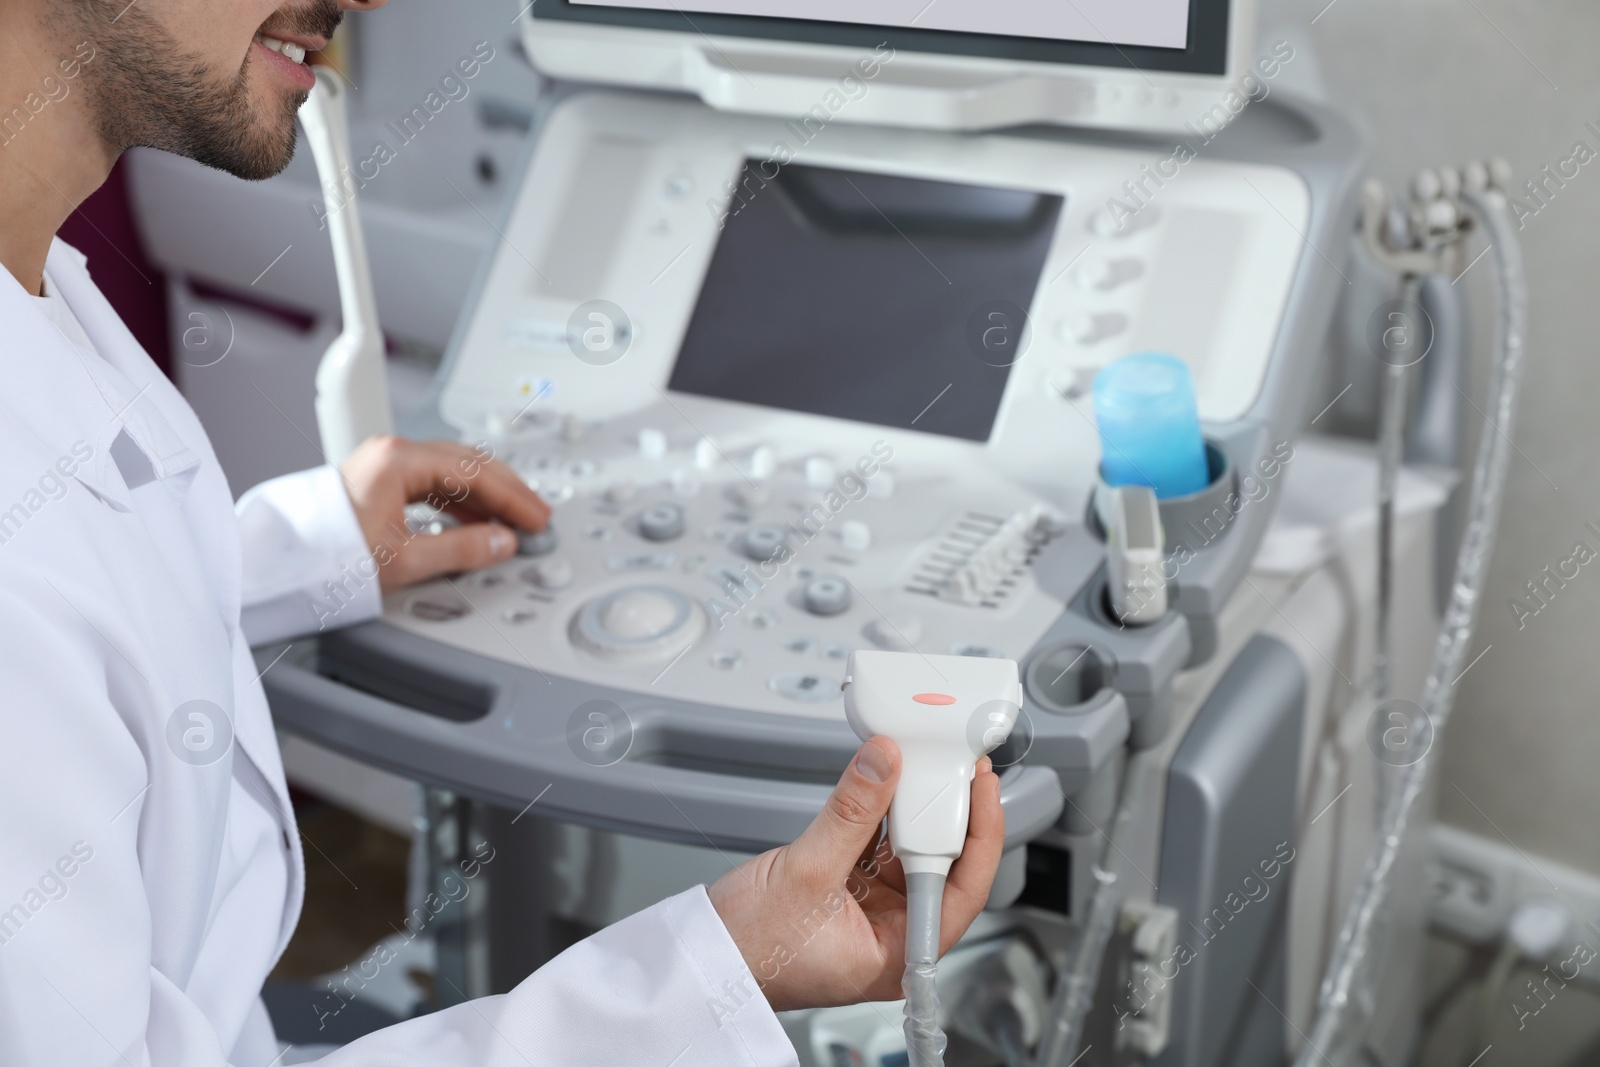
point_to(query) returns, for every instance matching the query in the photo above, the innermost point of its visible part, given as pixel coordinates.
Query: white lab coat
(150, 869)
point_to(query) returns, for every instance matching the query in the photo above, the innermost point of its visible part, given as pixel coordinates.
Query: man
(150, 874)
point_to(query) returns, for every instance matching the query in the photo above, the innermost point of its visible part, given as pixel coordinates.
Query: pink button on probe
(934, 698)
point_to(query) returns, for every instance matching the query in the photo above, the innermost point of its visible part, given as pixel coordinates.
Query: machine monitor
(885, 279)
(1163, 24)
(955, 64)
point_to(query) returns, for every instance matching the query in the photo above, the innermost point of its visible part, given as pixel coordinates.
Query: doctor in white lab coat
(150, 868)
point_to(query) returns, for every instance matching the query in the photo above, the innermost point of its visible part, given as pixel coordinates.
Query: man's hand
(386, 473)
(823, 921)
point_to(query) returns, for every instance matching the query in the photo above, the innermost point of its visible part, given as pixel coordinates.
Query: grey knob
(827, 595)
(661, 522)
(763, 542)
(538, 544)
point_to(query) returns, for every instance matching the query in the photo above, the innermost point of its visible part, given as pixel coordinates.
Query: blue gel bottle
(1149, 425)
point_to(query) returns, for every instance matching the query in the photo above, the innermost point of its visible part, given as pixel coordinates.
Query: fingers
(467, 479)
(386, 472)
(967, 888)
(464, 548)
(499, 493)
(849, 821)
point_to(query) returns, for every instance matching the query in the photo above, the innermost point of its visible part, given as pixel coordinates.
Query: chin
(265, 147)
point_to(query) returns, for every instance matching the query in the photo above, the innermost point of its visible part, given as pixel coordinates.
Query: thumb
(464, 548)
(849, 821)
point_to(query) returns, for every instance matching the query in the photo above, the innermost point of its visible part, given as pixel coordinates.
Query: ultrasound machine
(794, 318)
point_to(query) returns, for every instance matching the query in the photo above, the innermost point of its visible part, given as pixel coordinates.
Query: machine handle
(519, 756)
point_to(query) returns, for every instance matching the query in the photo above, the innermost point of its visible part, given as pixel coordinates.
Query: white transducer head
(945, 713)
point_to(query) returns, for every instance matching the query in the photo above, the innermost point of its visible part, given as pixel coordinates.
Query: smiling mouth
(288, 49)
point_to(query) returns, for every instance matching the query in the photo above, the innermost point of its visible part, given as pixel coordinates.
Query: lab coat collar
(65, 395)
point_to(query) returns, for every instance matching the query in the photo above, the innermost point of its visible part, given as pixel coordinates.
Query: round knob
(706, 454)
(550, 574)
(1426, 185)
(538, 544)
(1077, 328)
(827, 595)
(661, 522)
(638, 624)
(1103, 224)
(898, 633)
(1073, 382)
(1087, 329)
(763, 461)
(639, 614)
(855, 535)
(819, 472)
(1094, 273)
(763, 542)
(652, 444)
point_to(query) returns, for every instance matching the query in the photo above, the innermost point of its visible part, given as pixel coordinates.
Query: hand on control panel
(386, 473)
(822, 922)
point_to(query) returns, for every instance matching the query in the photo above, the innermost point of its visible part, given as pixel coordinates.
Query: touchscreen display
(875, 298)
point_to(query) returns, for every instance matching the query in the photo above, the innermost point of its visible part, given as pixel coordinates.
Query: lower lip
(300, 73)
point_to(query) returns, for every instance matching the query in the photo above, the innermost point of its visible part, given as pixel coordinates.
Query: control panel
(743, 572)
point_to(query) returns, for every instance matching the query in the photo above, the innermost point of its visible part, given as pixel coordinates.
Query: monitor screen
(876, 298)
(1181, 36)
(1152, 23)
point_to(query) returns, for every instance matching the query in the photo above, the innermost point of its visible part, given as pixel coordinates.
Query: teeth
(287, 49)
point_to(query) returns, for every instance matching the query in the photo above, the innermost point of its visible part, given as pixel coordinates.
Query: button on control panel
(549, 574)
(806, 688)
(827, 596)
(538, 544)
(761, 543)
(899, 632)
(855, 536)
(661, 522)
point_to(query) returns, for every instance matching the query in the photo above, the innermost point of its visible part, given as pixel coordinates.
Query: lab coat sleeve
(307, 566)
(80, 934)
(665, 987)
